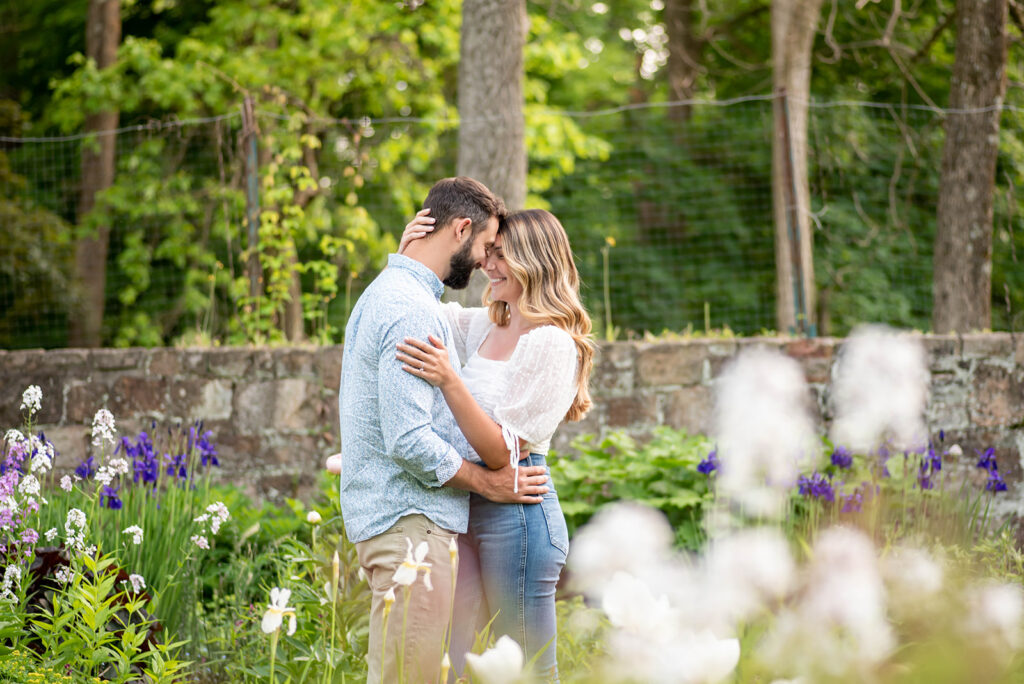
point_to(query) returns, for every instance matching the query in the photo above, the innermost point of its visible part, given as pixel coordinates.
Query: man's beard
(461, 267)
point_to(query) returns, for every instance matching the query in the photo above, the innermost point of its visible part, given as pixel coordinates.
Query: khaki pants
(429, 612)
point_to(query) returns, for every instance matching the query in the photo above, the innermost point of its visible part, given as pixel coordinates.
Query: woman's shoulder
(547, 339)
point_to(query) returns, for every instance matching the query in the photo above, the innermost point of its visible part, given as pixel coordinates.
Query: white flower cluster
(103, 429)
(216, 515)
(11, 582)
(32, 399)
(13, 437)
(41, 452)
(74, 530)
(63, 574)
(51, 534)
(137, 582)
(136, 533)
(65, 483)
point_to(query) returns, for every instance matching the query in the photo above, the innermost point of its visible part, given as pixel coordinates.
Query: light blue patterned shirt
(399, 441)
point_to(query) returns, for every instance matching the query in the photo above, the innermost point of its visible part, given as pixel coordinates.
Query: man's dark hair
(462, 197)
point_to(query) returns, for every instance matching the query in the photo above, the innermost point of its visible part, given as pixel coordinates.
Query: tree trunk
(492, 145)
(683, 55)
(794, 23)
(962, 280)
(102, 37)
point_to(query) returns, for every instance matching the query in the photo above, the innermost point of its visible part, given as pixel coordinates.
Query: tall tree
(683, 54)
(962, 281)
(492, 146)
(793, 25)
(102, 37)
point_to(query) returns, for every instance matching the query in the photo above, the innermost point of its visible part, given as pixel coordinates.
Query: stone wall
(273, 412)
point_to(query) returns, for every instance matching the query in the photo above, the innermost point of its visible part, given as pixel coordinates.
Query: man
(403, 469)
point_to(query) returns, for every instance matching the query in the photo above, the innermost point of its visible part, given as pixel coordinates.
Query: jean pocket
(557, 530)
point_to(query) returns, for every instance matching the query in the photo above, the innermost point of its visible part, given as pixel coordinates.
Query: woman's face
(504, 286)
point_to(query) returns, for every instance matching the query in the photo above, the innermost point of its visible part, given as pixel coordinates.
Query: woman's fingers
(422, 346)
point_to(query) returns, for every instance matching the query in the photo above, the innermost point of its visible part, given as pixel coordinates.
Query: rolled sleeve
(407, 408)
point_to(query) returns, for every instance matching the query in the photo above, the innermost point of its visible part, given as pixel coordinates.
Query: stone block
(997, 396)
(232, 362)
(117, 359)
(815, 357)
(68, 361)
(943, 351)
(195, 361)
(214, 401)
(183, 396)
(84, 399)
(263, 364)
(13, 386)
(295, 363)
(947, 407)
(670, 364)
(1018, 355)
(328, 364)
(631, 411)
(132, 395)
(71, 443)
(614, 372)
(279, 404)
(987, 345)
(166, 362)
(690, 409)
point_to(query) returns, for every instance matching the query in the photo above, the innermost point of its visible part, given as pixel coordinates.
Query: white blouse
(530, 393)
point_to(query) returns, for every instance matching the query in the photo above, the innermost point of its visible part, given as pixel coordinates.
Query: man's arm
(497, 485)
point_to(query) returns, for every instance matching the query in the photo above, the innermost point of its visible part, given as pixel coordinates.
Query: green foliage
(20, 667)
(661, 473)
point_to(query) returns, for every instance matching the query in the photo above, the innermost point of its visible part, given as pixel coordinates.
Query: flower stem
(273, 652)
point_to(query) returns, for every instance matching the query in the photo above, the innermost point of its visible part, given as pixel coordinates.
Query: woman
(528, 359)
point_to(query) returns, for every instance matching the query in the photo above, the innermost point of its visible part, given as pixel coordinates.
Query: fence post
(793, 224)
(250, 143)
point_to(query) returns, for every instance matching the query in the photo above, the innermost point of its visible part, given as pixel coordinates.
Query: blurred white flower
(745, 572)
(763, 428)
(687, 657)
(63, 574)
(838, 626)
(277, 609)
(994, 614)
(955, 451)
(65, 483)
(51, 534)
(624, 537)
(136, 533)
(333, 464)
(912, 577)
(119, 466)
(502, 664)
(29, 485)
(313, 518)
(13, 438)
(103, 429)
(630, 605)
(408, 571)
(200, 541)
(31, 399)
(104, 475)
(880, 390)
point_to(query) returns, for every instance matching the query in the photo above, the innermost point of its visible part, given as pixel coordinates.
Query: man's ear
(462, 229)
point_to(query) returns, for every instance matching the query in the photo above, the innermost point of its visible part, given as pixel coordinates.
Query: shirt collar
(423, 274)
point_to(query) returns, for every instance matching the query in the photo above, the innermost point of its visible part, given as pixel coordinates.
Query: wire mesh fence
(669, 209)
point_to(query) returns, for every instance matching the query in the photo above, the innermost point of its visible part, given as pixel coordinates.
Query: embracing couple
(447, 414)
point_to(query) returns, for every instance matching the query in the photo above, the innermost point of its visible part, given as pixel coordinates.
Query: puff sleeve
(541, 385)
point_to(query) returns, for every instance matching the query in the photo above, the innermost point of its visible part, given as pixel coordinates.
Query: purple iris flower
(987, 460)
(113, 500)
(924, 475)
(995, 482)
(202, 442)
(86, 469)
(842, 458)
(817, 486)
(709, 464)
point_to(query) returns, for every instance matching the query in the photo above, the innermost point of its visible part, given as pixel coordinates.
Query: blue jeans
(509, 563)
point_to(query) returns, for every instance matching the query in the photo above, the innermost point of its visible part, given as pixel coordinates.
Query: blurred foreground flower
(32, 399)
(502, 664)
(409, 570)
(880, 390)
(764, 430)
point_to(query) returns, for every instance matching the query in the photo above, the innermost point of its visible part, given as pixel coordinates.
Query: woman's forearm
(483, 434)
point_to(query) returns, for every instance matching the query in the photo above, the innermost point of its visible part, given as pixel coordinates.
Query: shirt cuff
(448, 466)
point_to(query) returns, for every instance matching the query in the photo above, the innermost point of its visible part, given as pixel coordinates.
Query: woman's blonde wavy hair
(537, 252)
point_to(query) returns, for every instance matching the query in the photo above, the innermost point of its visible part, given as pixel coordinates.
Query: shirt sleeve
(541, 384)
(406, 407)
(460, 319)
